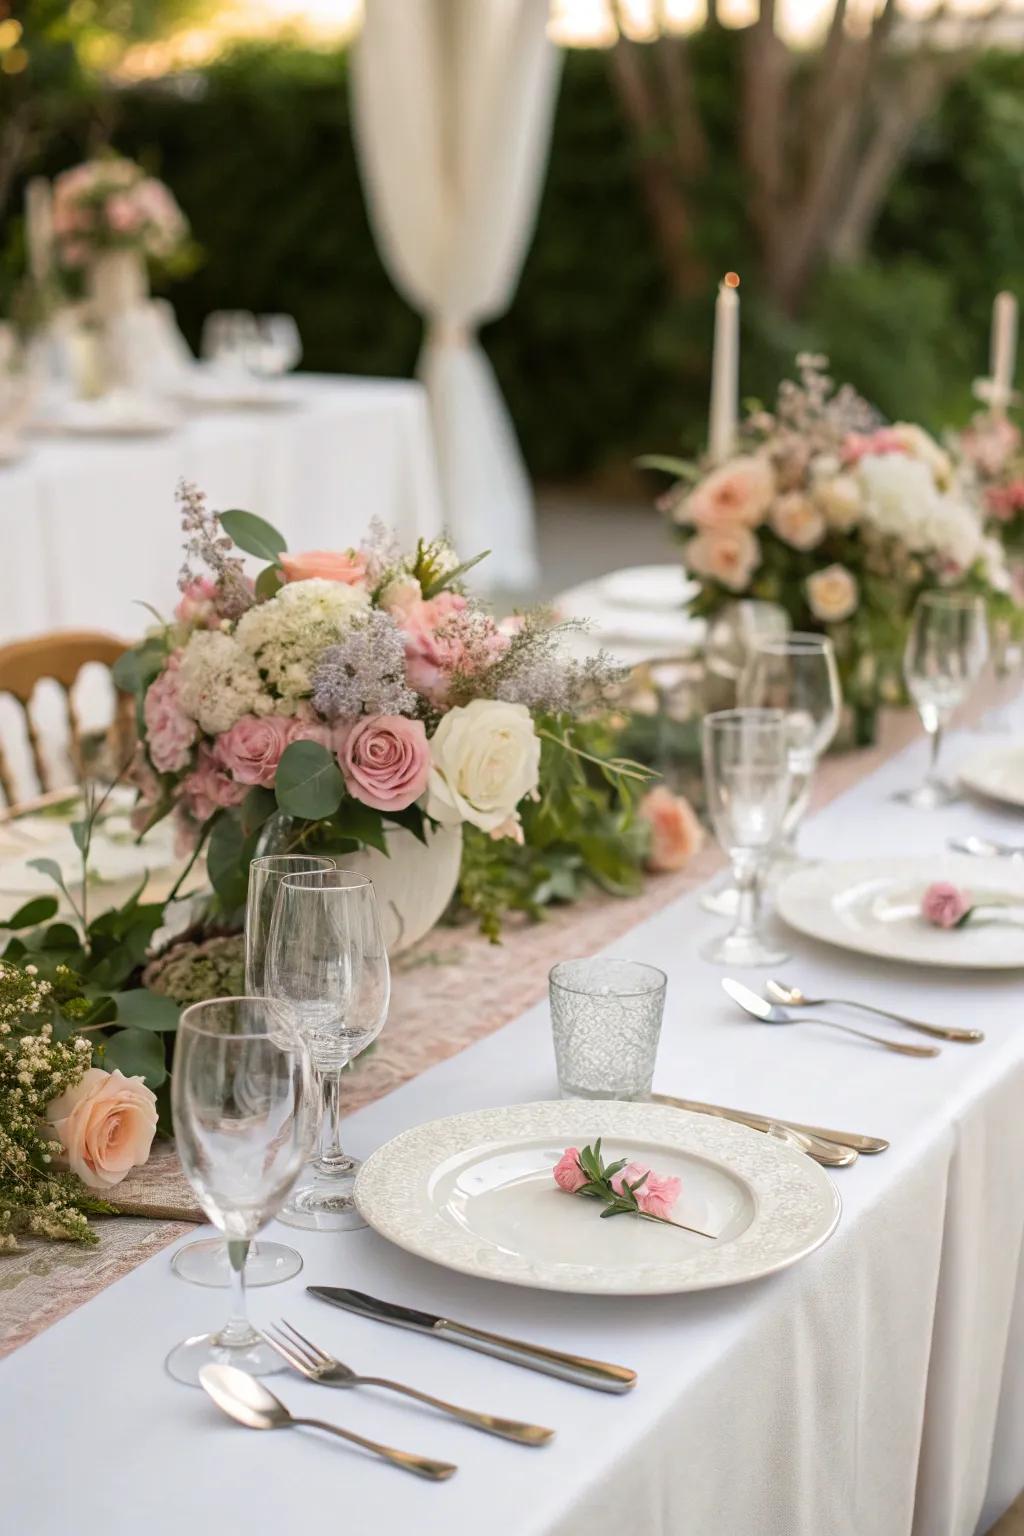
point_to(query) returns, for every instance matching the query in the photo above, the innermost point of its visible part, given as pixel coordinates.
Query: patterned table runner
(450, 990)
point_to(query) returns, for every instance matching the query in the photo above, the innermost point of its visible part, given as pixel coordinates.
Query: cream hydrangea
(287, 635)
(219, 682)
(902, 501)
(485, 759)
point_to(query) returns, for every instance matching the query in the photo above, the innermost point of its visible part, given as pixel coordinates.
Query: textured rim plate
(871, 906)
(474, 1193)
(649, 587)
(998, 773)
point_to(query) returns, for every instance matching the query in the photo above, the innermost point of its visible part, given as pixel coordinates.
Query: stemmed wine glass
(746, 778)
(797, 674)
(243, 1127)
(944, 656)
(327, 972)
(206, 1262)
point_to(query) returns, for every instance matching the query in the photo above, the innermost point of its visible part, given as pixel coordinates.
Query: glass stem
(933, 761)
(744, 868)
(330, 1157)
(237, 1330)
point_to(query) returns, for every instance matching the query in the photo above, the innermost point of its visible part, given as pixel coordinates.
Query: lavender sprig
(207, 543)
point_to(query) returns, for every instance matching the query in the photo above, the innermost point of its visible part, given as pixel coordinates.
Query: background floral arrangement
(347, 692)
(111, 204)
(840, 519)
(992, 453)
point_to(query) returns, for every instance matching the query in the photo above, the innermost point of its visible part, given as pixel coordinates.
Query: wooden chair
(59, 656)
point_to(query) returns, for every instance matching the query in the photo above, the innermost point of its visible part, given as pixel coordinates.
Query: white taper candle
(725, 371)
(1003, 349)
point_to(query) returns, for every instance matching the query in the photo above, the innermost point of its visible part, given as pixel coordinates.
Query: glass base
(205, 1262)
(323, 1202)
(187, 1359)
(739, 950)
(721, 899)
(928, 796)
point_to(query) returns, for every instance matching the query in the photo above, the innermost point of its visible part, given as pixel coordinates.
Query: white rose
(954, 532)
(485, 758)
(917, 442)
(899, 496)
(840, 499)
(832, 594)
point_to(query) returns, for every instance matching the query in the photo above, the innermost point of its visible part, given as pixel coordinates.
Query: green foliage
(253, 534)
(308, 781)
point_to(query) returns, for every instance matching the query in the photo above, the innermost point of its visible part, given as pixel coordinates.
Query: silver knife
(535, 1357)
(853, 1139)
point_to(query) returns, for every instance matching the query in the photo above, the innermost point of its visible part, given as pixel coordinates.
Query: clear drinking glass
(944, 656)
(799, 676)
(328, 974)
(243, 1127)
(606, 1021)
(278, 346)
(746, 779)
(229, 340)
(206, 1261)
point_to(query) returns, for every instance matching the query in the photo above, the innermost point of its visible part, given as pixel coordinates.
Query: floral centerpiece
(991, 452)
(839, 518)
(111, 205)
(347, 697)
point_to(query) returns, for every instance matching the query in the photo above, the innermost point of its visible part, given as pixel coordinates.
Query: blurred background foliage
(598, 358)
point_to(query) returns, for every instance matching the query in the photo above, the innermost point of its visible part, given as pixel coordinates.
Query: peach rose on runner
(676, 834)
(832, 594)
(346, 565)
(105, 1125)
(386, 761)
(729, 556)
(797, 521)
(737, 494)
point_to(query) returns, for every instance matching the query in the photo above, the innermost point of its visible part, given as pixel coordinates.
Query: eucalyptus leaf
(61, 936)
(142, 1009)
(227, 859)
(309, 782)
(269, 581)
(253, 534)
(39, 910)
(136, 1053)
(257, 807)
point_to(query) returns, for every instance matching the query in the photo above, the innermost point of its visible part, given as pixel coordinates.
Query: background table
(88, 526)
(878, 1387)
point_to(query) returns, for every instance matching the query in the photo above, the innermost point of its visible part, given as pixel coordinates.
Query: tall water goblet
(206, 1261)
(243, 1127)
(328, 973)
(797, 674)
(746, 779)
(278, 346)
(944, 656)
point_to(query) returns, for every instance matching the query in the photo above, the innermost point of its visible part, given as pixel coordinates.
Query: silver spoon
(769, 1013)
(985, 848)
(794, 998)
(247, 1400)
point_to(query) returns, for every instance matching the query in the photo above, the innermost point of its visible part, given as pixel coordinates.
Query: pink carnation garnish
(568, 1173)
(944, 904)
(658, 1193)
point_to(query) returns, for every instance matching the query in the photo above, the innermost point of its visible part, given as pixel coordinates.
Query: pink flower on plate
(658, 1193)
(210, 787)
(735, 495)
(386, 761)
(251, 749)
(170, 733)
(945, 905)
(346, 565)
(568, 1173)
(676, 834)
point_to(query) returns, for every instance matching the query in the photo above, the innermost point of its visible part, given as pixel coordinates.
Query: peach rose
(797, 521)
(832, 594)
(105, 1124)
(839, 497)
(729, 556)
(346, 565)
(737, 494)
(676, 834)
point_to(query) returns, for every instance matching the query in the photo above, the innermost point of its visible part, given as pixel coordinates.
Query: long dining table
(876, 1388)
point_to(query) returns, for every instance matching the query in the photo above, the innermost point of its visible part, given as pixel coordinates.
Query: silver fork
(316, 1365)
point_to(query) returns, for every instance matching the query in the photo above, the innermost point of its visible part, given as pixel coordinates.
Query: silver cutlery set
(249, 1402)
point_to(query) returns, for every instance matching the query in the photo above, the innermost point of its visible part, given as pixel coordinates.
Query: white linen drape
(453, 108)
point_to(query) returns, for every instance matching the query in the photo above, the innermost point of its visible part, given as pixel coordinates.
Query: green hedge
(597, 361)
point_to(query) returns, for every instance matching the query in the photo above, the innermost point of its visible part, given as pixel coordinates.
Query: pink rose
(346, 565)
(736, 495)
(857, 445)
(568, 1173)
(105, 1124)
(251, 749)
(656, 1196)
(676, 834)
(169, 731)
(123, 215)
(210, 787)
(729, 556)
(426, 655)
(386, 761)
(944, 904)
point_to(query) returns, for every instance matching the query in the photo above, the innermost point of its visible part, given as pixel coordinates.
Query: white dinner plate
(873, 906)
(997, 773)
(649, 586)
(476, 1193)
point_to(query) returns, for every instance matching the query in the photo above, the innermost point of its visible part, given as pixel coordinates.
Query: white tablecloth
(876, 1389)
(89, 526)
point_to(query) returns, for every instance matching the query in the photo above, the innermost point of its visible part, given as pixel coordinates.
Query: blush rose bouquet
(839, 518)
(346, 693)
(112, 204)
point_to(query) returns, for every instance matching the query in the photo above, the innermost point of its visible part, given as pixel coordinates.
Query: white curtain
(453, 108)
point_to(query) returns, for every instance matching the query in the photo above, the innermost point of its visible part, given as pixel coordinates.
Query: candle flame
(731, 279)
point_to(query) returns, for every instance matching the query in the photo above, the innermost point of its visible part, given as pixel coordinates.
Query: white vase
(118, 288)
(414, 882)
